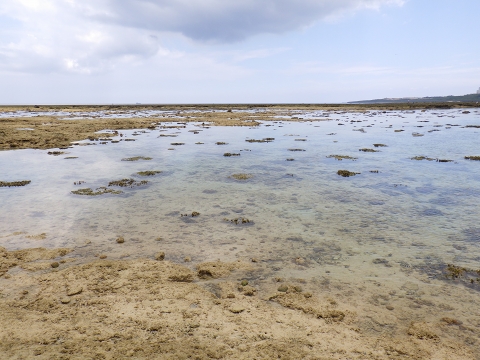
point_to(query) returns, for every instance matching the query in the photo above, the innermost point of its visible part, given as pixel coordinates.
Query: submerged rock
(14, 183)
(346, 173)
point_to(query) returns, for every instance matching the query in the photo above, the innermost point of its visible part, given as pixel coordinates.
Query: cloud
(91, 36)
(222, 20)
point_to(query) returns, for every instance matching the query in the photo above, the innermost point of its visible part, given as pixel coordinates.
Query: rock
(249, 290)
(187, 259)
(283, 288)
(244, 283)
(74, 291)
(103, 256)
(120, 240)
(65, 300)
(237, 309)
(300, 261)
(55, 265)
(160, 256)
(390, 307)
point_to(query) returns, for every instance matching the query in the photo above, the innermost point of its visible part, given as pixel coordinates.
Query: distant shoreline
(58, 126)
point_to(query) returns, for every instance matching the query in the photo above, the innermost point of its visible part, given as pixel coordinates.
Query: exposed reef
(346, 173)
(127, 183)
(99, 191)
(241, 176)
(368, 150)
(149, 172)
(342, 157)
(14, 183)
(136, 158)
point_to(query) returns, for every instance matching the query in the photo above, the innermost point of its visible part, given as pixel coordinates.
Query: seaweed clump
(136, 158)
(341, 157)
(220, 143)
(468, 275)
(127, 183)
(242, 176)
(296, 150)
(421, 158)
(99, 191)
(56, 153)
(346, 173)
(230, 154)
(14, 183)
(380, 145)
(194, 214)
(148, 172)
(477, 158)
(264, 140)
(368, 150)
(238, 221)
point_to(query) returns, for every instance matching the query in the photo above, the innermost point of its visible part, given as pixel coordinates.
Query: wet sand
(148, 308)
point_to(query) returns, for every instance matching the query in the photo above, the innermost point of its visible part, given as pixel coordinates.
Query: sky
(236, 51)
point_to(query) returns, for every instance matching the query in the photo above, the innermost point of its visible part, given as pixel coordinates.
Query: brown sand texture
(148, 309)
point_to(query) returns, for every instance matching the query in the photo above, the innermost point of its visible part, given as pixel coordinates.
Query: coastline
(77, 303)
(42, 130)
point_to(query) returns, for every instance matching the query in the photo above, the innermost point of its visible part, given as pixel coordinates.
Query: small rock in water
(120, 240)
(160, 256)
(55, 265)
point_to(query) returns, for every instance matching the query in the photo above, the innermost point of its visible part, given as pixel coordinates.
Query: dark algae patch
(14, 183)
(380, 145)
(419, 158)
(368, 150)
(230, 154)
(239, 221)
(346, 173)
(477, 158)
(342, 157)
(149, 172)
(99, 191)
(127, 183)
(136, 158)
(265, 140)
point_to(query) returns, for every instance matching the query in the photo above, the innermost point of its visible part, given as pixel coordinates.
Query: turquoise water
(376, 235)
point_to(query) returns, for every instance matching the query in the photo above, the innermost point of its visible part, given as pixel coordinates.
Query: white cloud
(90, 36)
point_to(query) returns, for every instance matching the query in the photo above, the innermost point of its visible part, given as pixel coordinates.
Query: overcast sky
(236, 51)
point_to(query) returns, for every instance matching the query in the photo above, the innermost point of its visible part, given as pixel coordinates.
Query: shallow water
(374, 239)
